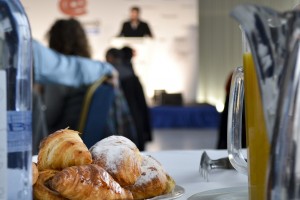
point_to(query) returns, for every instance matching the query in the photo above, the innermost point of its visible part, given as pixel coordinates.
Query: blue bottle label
(19, 131)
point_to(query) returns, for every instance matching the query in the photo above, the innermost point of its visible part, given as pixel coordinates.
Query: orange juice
(257, 138)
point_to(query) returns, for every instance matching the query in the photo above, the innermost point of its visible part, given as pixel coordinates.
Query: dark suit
(140, 31)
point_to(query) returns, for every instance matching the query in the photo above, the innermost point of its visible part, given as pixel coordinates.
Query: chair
(93, 120)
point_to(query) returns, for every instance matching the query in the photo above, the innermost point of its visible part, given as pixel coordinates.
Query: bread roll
(119, 157)
(88, 182)
(62, 149)
(42, 189)
(35, 173)
(154, 181)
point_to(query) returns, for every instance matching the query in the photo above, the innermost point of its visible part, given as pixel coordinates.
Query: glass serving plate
(176, 193)
(232, 193)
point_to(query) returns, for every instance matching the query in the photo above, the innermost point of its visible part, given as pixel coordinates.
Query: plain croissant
(35, 173)
(42, 190)
(88, 182)
(62, 149)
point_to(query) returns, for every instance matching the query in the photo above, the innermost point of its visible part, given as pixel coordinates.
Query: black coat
(134, 95)
(141, 30)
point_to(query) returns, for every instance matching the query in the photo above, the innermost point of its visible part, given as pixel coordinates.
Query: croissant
(62, 149)
(35, 173)
(42, 189)
(88, 182)
(154, 181)
(120, 157)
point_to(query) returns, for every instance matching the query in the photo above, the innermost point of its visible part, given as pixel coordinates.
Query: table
(183, 167)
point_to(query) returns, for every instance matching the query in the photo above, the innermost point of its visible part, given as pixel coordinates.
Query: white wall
(220, 49)
(174, 23)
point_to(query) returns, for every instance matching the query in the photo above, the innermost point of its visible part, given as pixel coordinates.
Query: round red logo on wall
(73, 7)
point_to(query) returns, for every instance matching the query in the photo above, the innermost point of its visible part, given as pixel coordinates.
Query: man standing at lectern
(135, 27)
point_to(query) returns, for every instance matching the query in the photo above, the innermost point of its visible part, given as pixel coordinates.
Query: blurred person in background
(116, 58)
(133, 92)
(52, 67)
(135, 27)
(63, 103)
(127, 54)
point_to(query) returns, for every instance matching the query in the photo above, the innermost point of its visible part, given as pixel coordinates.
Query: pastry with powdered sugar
(120, 157)
(154, 180)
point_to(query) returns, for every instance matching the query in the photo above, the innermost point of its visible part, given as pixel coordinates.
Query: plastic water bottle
(15, 102)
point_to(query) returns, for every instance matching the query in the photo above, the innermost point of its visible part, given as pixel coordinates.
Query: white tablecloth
(183, 166)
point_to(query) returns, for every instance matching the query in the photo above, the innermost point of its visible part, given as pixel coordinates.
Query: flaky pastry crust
(88, 182)
(62, 149)
(35, 173)
(42, 189)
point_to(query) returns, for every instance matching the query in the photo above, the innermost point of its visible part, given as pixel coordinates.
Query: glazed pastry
(154, 181)
(35, 173)
(62, 149)
(119, 157)
(88, 182)
(42, 189)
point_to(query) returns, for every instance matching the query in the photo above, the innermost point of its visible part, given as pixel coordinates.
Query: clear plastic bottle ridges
(15, 102)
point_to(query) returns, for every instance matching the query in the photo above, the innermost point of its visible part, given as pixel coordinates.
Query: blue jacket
(53, 67)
